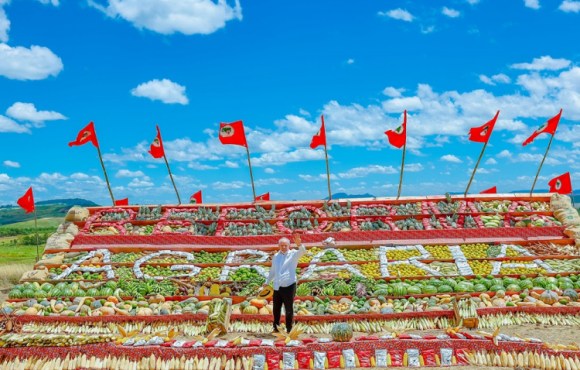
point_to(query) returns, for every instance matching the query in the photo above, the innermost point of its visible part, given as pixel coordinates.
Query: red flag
(320, 137)
(492, 190)
(263, 197)
(122, 202)
(195, 198)
(233, 134)
(86, 135)
(157, 150)
(27, 201)
(481, 134)
(561, 184)
(549, 127)
(398, 136)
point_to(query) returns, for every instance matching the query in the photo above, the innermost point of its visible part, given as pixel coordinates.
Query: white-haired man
(283, 276)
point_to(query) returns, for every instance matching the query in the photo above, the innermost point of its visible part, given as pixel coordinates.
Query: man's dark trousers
(284, 296)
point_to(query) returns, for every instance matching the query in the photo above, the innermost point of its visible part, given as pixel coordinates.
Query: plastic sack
(461, 355)
(396, 358)
(273, 360)
(259, 362)
(364, 358)
(349, 358)
(333, 359)
(320, 360)
(413, 358)
(381, 357)
(288, 359)
(446, 356)
(429, 358)
(304, 359)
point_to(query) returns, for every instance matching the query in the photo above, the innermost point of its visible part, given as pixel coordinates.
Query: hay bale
(77, 214)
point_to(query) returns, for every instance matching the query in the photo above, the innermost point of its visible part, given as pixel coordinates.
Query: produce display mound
(178, 287)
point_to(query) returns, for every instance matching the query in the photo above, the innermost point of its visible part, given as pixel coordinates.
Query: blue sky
(189, 64)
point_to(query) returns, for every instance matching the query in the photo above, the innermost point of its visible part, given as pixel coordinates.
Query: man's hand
(297, 240)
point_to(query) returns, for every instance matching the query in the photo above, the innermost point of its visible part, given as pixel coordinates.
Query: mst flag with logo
(86, 135)
(320, 137)
(195, 198)
(549, 128)
(481, 134)
(233, 134)
(156, 149)
(398, 136)
(27, 201)
(122, 202)
(263, 197)
(561, 184)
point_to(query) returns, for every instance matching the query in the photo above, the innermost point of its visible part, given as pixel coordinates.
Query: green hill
(48, 209)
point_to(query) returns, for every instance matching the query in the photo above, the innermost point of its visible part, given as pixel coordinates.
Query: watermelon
(61, 285)
(551, 286)
(67, 292)
(480, 288)
(565, 285)
(28, 293)
(15, 294)
(93, 292)
(435, 282)
(106, 292)
(552, 280)
(487, 283)
(341, 332)
(414, 289)
(497, 281)
(571, 293)
(111, 284)
(540, 281)
(526, 284)
(508, 280)
(399, 289)
(464, 286)
(513, 288)
(46, 287)
(429, 289)
(444, 289)
(496, 287)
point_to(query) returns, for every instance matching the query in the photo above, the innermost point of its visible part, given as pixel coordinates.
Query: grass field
(47, 222)
(18, 254)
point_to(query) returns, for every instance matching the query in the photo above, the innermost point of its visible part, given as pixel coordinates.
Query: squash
(266, 293)
(264, 311)
(250, 310)
(549, 297)
(113, 299)
(341, 332)
(571, 293)
(258, 303)
(214, 290)
(236, 310)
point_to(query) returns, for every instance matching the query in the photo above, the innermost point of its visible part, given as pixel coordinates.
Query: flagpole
(36, 229)
(106, 176)
(475, 168)
(327, 172)
(541, 164)
(171, 177)
(251, 174)
(402, 169)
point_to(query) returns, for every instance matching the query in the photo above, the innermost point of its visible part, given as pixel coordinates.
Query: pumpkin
(258, 303)
(251, 310)
(266, 293)
(236, 310)
(549, 297)
(264, 311)
(113, 299)
(341, 332)
(571, 293)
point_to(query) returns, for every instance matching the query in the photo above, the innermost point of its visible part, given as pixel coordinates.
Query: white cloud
(427, 29)
(51, 2)
(231, 185)
(230, 164)
(164, 90)
(544, 63)
(12, 164)
(399, 14)
(350, 61)
(491, 161)
(393, 92)
(498, 78)
(451, 13)
(79, 176)
(504, 154)
(8, 125)
(414, 167)
(533, 4)
(129, 173)
(304, 112)
(271, 181)
(281, 158)
(529, 157)
(451, 158)
(473, 2)
(269, 170)
(34, 63)
(320, 177)
(201, 166)
(177, 16)
(570, 6)
(4, 25)
(28, 112)
(140, 183)
(357, 172)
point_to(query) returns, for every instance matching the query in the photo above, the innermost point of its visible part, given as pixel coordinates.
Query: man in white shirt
(283, 275)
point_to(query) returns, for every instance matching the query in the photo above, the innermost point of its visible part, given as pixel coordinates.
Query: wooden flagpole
(541, 164)
(36, 229)
(475, 168)
(402, 168)
(251, 173)
(171, 177)
(106, 176)
(327, 172)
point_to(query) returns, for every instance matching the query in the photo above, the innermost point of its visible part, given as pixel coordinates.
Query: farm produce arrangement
(105, 286)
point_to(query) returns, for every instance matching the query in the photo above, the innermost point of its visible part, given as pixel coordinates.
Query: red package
(467, 335)
(404, 336)
(273, 361)
(333, 359)
(255, 343)
(210, 343)
(303, 359)
(280, 343)
(396, 358)
(368, 337)
(429, 357)
(308, 340)
(168, 344)
(461, 355)
(429, 337)
(364, 358)
(189, 344)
